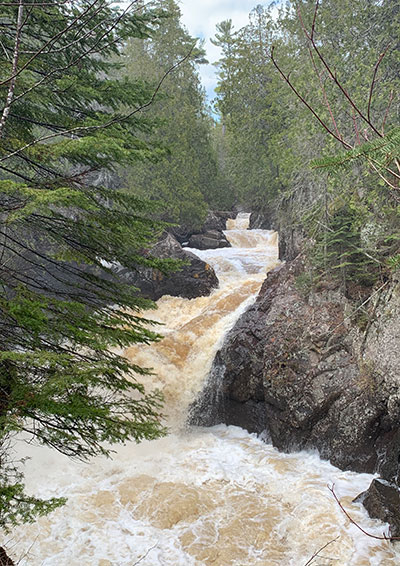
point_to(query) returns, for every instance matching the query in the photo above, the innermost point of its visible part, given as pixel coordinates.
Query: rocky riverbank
(297, 368)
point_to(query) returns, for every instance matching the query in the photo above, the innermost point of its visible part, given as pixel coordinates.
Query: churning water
(200, 497)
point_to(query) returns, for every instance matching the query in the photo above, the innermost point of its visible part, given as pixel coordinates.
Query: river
(199, 497)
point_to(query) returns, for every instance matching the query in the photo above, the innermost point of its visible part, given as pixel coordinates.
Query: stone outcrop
(261, 221)
(215, 220)
(291, 366)
(291, 238)
(195, 278)
(297, 370)
(211, 239)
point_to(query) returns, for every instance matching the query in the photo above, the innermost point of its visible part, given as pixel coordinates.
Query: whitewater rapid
(199, 497)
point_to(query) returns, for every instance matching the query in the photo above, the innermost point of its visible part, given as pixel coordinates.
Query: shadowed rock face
(295, 369)
(4, 559)
(215, 220)
(210, 240)
(194, 279)
(382, 501)
(289, 365)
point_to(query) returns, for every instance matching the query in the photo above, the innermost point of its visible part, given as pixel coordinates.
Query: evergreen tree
(186, 177)
(63, 314)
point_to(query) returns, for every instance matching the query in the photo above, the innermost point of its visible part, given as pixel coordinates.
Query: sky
(200, 18)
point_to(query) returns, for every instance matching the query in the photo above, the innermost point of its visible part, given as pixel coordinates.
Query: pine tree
(63, 314)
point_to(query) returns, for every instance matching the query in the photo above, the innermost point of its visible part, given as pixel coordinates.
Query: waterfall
(201, 496)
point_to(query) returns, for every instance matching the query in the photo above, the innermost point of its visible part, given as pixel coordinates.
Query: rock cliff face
(295, 366)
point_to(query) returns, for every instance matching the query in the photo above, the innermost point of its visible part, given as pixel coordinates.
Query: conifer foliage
(63, 314)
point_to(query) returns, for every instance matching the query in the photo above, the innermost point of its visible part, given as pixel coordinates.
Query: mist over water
(199, 497)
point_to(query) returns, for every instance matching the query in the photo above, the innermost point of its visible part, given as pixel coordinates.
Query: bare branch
(341, 87)
(371, 90)
(144, 555)
(81, 55)
(383, 537)
(83, 129)
(317, 554)
(327, 104)
(315, 19)
(287, 79)
(49, 42)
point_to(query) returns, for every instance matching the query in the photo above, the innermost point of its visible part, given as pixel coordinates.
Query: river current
(199, 497)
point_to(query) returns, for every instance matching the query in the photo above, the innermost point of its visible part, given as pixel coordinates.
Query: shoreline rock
(194, 279)
(296, 369)
(209, 240)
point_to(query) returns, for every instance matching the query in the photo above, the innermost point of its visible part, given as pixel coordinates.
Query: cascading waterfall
(199, 497)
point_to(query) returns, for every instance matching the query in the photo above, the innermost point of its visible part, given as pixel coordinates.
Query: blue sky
(200, 18)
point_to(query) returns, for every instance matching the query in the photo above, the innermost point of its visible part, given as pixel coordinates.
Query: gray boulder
(195, 278)
(290, 366)
(210, 240)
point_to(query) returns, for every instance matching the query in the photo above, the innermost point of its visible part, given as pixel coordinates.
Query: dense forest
(107, 139)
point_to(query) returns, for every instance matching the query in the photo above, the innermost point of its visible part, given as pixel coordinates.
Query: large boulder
(290, 366)
(195, 278)
(215, 220)
(210, 240)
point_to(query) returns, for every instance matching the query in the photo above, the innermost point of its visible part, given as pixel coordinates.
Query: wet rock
(4, 559)
(216, 220)
(261, 221)
(210, 240)
(293, 353)
(194, 279)
(382, 501)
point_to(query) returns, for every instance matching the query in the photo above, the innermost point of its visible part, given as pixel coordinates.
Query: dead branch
(371, 90)
(303, 100)
(333, 76)
(383, 537)
(317, 554)
(144, 555)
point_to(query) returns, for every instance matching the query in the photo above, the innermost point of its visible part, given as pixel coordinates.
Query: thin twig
(371, 90)
(287, 79)
(316, 554)
(144, 555)
(49, 42)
